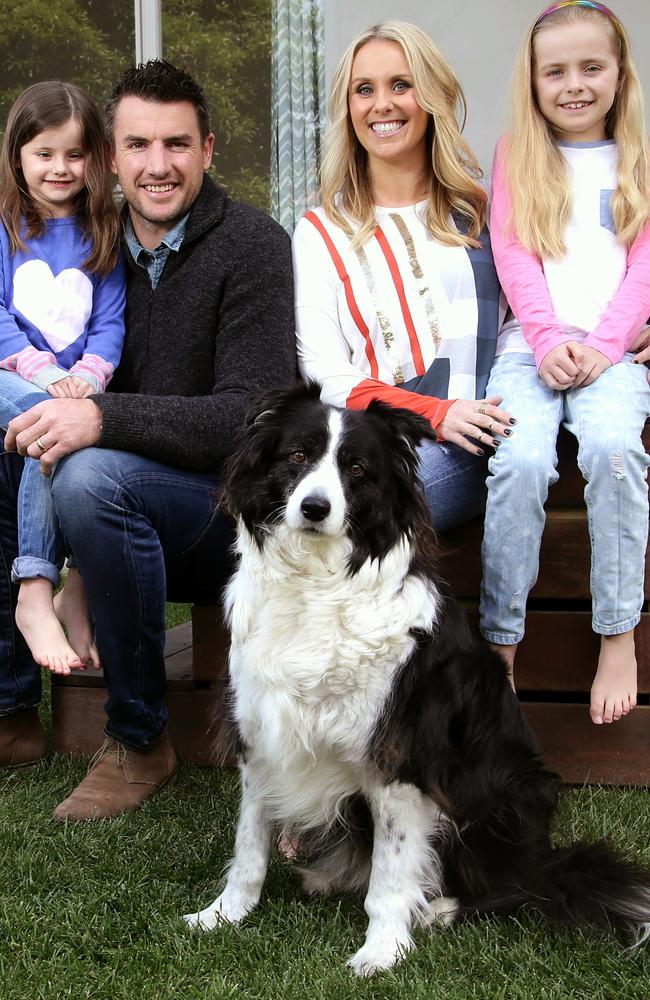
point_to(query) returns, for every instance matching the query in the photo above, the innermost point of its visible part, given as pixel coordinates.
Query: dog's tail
(588, 885)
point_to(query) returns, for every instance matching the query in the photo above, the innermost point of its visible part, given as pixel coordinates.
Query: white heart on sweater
(59, 307)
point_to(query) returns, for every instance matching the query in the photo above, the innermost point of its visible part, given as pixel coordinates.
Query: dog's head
(329, 472)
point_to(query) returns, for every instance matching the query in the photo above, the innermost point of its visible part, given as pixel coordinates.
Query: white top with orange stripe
(378, 316)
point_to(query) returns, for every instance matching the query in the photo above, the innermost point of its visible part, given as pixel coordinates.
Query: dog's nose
(315, 508)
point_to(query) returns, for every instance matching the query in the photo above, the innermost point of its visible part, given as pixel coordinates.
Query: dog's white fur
(313, 657)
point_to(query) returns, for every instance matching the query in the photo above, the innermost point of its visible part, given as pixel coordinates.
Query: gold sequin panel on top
(384, 323)
(418, 275)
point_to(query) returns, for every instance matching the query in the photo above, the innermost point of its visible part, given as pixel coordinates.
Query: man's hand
(591, 362)
(558, 369)
(53, 429)
(74, 387)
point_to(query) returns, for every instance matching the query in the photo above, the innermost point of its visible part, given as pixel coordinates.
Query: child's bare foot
(71, 607)
(41, 629)
(613, 692)
(507, 653)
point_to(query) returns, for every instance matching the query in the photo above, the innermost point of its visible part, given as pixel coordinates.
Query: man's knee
(80, 482)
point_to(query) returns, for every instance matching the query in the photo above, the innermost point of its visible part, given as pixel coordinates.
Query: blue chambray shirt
(154, 261)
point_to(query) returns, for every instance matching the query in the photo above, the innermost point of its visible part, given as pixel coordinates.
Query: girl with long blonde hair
(396, 293)
(569, 225)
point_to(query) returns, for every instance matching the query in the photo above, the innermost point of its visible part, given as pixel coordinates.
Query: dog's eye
(356, 469)
(297, 457)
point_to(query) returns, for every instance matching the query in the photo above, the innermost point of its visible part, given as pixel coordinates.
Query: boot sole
(23, 763)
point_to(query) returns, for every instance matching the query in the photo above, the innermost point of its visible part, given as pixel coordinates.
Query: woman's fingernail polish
(512, 420)
(480, 452)
(507, 431)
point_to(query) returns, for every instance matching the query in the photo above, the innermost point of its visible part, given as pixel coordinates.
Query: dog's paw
(377, 956)
(315, 883)
(442, 911)
(221, 911)
(204, 920)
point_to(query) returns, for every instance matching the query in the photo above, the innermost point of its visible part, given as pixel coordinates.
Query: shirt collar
(171, 240)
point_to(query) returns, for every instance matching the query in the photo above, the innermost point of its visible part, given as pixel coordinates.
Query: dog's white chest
(315, 650)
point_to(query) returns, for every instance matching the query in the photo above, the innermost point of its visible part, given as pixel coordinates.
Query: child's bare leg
(41, 629)
(613, 692)
(71, 606)
(508, 654)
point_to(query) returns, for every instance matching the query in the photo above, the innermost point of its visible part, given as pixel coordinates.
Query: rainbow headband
(590, 4)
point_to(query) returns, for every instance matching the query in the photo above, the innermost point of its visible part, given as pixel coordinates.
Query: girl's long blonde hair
(535, 168)
(43, 106)
(454, 176)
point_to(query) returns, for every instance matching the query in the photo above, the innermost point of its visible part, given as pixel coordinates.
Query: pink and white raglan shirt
(599, 292)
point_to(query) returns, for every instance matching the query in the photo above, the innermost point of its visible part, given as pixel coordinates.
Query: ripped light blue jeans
(607, 419)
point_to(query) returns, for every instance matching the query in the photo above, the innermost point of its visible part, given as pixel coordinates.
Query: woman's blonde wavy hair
(454, 185)
(535, 168)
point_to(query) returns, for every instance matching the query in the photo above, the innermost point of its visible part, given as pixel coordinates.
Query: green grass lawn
(92, 911)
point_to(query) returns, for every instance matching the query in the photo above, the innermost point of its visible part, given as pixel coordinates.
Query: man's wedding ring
(39, 444)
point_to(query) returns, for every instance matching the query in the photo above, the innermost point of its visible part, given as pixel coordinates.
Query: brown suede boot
(22, 739)
(119, 780)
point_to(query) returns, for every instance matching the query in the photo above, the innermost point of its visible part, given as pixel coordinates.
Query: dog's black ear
(407, 429)
(246, 470)
(266, 405)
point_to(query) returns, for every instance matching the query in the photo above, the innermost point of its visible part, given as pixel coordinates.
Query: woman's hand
(478, 419)
(641, 347)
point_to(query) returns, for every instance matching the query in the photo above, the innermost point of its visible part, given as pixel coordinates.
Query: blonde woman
(569, 224)
(397, 296)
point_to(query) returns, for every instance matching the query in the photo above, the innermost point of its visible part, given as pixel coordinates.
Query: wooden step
(560, 651)
(616, 754)
(197, 722)
(564, 564)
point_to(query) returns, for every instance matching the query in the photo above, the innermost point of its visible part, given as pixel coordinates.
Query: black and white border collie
(372, 724)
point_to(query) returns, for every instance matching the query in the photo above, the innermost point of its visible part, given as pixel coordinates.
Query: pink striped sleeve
(520, 272)
(92, 364)
(28, 362)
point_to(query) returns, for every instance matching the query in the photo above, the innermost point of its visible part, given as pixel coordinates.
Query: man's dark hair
(158, 80)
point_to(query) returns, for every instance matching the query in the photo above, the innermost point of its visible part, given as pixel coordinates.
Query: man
(209, 320)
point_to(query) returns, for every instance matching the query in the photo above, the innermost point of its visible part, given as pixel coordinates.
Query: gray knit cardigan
(218, 327)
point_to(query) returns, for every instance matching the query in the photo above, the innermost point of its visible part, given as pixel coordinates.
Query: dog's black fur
(453, 726)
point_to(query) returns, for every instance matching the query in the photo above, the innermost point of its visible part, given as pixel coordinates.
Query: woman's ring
(482, 408)
(480, 437)
(490, 426)
(39, 444)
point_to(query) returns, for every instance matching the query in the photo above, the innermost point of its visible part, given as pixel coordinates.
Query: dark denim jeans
(141, 533)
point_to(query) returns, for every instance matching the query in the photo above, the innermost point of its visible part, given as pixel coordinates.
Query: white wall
(480, 38)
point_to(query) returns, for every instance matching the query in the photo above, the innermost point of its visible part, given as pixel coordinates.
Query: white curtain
(298, 107)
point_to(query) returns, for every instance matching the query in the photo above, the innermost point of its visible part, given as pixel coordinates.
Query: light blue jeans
(607, 419)
(40, 546)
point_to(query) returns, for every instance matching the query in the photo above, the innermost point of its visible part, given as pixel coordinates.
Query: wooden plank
(560, 651)
(195, 706)
(211, 642)
(564, 565)
(196, 726)
(618, 754)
